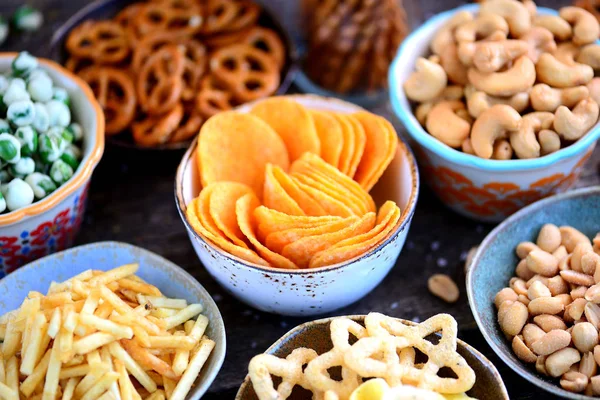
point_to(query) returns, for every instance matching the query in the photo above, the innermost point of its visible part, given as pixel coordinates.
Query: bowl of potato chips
(297, 205)
(88, 323)
(372, 357)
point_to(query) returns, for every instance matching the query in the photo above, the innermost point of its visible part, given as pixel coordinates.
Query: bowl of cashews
(501, 102)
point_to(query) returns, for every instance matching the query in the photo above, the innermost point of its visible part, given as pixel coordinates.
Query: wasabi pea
(18, 194)
(2, 203)
(61, 95)
(41, 184)
(38, 73)
(3, 33)
(40, 166)
(3, 84)
(4, 176)
(59, 113)
(40, 88)
(10, 148)
(41, 120)
(24, 64)
(4, 126)
(16, 91)
(29, 140)
(21, 113)
(71, 156)
(22, 168)
(60, 172)
(27, 18)
(76, 130)
(50, 147)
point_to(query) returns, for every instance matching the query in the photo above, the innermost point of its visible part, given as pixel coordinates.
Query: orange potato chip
(379, 151)
(387, 219)
(241, 252)
(222, 208)
(334, 190)
(302, 250)
(331, 205)
(306, 203)
(292, 122)
(270, 221)
(330, 135)
(348, 142)
(203, 212)
(360, 139)
(244, 209)
(276, 241)
(275, 197)
(237, 147)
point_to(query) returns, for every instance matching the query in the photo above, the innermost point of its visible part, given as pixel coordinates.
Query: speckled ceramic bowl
(50, 225)
(495, 261)
(172, 280)
(485, 190)
(309, 291)
(316, 335)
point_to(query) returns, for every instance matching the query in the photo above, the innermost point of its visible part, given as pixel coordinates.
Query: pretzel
(194, 67)
(102, 41)
(267, 41)
(248, 72)
(189, 125)
(115, 92)
(76, 64)
(247, 15)
(167, 16)
(153, 131)
(226, 39)
(218, 15)
(126, 18)
(159, 83)
(151, 44)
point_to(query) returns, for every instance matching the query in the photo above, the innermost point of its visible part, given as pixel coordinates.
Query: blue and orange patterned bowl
(485, 190)
(51, 224)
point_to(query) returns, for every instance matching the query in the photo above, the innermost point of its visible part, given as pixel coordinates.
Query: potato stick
(56, 300)
(172, 342)
(70, 320)
(80, 288)
(91, 303)
(125, 386)
(30, 309)
(157, 378)
(72, 372)
(12, 374)
(123, 308)
(60, 287)
(33, 294)
(141, 336)
(114, 274)
(107, 396)
(66, 345)
(148, 360)
(34, 350)
(78, 305)
(187, 313)
(10, 346)
(107, 326)
(158, 322)
(54, 325)
(53, 373)
(189, 325)
(11, 315)
(142, 310)
(113, 286)
(76, 360)
(166, 302)
(94, 357)
(30, 383)
(199, 328)
(70, 389)
(169, 385)
(90, 379)
(181, 359)
(92, 342)
(163, 312)
(7, 393)
(101, 386)
(132, 366)
(2, 369)
(103, 311)
(128, 294)
(139, 287)
(2, 331)
(158, 395)
(108, 360)
(189, 376)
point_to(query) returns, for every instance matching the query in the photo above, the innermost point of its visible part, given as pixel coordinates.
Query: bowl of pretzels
(160, 68)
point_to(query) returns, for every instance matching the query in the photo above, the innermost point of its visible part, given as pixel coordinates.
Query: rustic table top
(132, 200)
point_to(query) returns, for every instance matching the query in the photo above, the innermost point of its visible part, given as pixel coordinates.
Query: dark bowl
(103, 9)
(316, 335)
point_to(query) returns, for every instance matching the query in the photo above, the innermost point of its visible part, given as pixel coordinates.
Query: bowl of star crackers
(372, 357)
(297, 205)
(160, 68)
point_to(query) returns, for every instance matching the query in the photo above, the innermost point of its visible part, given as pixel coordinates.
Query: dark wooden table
(132, 200)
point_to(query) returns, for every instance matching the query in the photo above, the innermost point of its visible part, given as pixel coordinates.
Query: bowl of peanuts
(533, 289)
(501, 103)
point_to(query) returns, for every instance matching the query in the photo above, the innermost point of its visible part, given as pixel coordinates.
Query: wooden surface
(132, 200)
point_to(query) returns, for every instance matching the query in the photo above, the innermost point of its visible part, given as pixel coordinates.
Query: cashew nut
(467, 147)
(446, 34)
(594, 88)
(502, 150)
(515, 13)
(545, 98)
(566, 53)
(426, 82)
(493, 124)
(560, 28)
(590, 55)
(478, 102)
(540, 40)
(464, 114)
(585, 26)
(422, 111)
(481, 27)
(524, 141)
(455, 71)
(453, 92)
(571, 125)
(518, 78)
(491, 56)
(549, 141)
(445, 125)
(466, 50)
(557, 74)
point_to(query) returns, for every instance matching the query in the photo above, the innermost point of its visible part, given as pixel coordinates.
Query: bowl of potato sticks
(533, 286)
(51, 139)
(88, 323)
(297, 205)
(161, 68)
(372, 357)
(501, 100)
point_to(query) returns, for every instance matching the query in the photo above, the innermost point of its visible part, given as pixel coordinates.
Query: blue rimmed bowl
(485, 190)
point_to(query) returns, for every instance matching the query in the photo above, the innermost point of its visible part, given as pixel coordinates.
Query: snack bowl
(307, 291)
(50, 224)
(171, 279)
(101, 9)
(316, 335)
(485, 190)
(494, 264)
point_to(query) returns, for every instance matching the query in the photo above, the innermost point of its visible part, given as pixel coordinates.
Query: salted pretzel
(166, 16)
(267, 41)
(153, 131)
(218, 15)
(151, 43)
(115, 92)
(104, 42)
(75, 64)
(213, 97)
(159, 81)
(226, 38)
(195, 61)
(189, 126)
(126, 18)
(247, 15)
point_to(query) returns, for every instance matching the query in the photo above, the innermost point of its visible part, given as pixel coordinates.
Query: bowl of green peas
(51, 139)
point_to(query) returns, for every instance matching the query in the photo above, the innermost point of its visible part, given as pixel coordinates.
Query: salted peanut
(546, 305)
(593, 294)
(538, 289)
(560, 253)
(570, 237)
(524, 299)
(540, 365)
(578, 278)
(532, 333)
(536, 278)
(548, 323)
(549, 238)
(551, 342)
(574, 381)
(504, 306)
(592, 314)
(514, 319)
(578, 292)
(522, 351)
(519, 286)
(443, 286)
(542, 262)
(549, 142)
(595, 381)
(524, 248)
(523, 272)
(559, 362)
(565, 263)
(557, 285)
(565, 298)
(590, 262)
(587, 365)
(585, 336)
(581, 249)
(503, 295)
(576, 309)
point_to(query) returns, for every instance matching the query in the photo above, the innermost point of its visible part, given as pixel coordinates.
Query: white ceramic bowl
(309, 291)
(51, 224)
(486, 190)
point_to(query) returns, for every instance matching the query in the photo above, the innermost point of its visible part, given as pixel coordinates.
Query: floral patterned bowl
(50, 225)
(485, 190)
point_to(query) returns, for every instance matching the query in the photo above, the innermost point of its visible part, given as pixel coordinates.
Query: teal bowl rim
(520, 367)
(417, 132)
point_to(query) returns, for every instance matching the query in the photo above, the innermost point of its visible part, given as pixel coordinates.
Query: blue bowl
(172, 280)
(495, 261)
